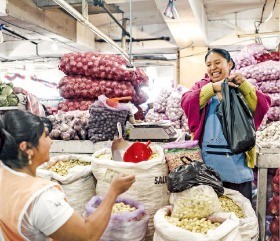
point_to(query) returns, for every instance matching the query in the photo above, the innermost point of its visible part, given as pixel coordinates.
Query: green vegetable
(7, 90)
(12, 100)
(3, 101)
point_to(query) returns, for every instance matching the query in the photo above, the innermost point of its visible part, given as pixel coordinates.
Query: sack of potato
(234, 201)
(168, 228)
(73, 173)
(150, 187)
(128, 221)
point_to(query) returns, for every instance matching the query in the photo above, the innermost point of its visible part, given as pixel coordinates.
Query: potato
(122, 207)
(228, 205)
(62, 167)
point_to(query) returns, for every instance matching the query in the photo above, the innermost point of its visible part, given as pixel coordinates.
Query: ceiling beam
(52, 20)
(47, 25)
(200, 16)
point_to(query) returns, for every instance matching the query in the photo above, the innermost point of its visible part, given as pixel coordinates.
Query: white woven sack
(165, 231)
(78, 185)
(249, 227)
(150, 186)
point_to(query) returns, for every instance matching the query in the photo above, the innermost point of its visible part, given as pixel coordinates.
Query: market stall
(114, 100)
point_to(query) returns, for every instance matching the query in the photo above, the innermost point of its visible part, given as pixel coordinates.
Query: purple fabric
(181, 144)
(196, 116)
(95, 201)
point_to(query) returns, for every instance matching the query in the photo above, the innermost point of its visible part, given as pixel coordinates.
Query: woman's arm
(206, 93)
(92, 228)
(249, 93)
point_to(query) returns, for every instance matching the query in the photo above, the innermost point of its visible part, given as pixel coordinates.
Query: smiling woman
(200, 105)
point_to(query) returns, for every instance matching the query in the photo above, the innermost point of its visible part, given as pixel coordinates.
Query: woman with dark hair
(199, 105)
(33, 208)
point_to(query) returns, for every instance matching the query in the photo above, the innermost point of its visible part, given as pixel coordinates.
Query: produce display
(102, 124)
(195, 225)
(228, 205)
(168, 107)
(122, 207)
(184, 123)
(161, 101)
(273, 206)
(102, 66)
(174, 111)
(7, 96)
(63, 167)
(262, 69)
(75, 86)
(275, 98)
(72, 125)
(176, 157)
(153, 116)
(269, 137)
(196, 202)
(74, 104)
(140, 97)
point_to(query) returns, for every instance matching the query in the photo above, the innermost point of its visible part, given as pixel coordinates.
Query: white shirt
(45, 215)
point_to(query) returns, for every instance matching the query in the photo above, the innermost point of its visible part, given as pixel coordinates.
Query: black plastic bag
(194, 174)
(236, 120)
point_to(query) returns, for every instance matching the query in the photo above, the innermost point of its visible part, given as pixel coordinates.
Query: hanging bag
(236, 120)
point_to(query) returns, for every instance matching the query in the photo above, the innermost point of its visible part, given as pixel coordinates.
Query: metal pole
(67, 7)
(124, 21)
(130, 37)
(85, 9)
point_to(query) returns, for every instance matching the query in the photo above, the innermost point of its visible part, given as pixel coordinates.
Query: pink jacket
(196, 116)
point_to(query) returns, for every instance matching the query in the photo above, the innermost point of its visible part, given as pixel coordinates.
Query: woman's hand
(122, 183)
(236, 79)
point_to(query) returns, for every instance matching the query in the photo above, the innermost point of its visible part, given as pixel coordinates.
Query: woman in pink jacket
(199, 105)
(33, 208)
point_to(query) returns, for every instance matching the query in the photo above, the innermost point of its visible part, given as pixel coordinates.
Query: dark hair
(223, 53)
(17, 126)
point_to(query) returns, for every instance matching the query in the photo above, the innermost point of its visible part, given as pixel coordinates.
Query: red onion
(274, 225)
(273, 207)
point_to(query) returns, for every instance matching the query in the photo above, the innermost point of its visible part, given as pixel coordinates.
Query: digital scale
(153, 131)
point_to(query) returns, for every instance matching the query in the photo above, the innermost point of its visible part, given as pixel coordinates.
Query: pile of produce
(7, 96)
(262, 69)
(102, 66)
(76, 86)
(273, 206)
(71, 125)
(74, 104)
(228, 205)
(102, 124)
(153, 116)
(90, 75)
(63, 167)
(168, 107)
(195, 225)
(196, 202)
(122, 207)
(269, 137)
(161, 101)
(174, 111)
